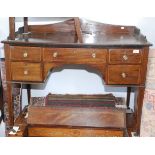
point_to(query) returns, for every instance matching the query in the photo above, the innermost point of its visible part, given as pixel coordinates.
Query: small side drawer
(125, 56)
(21, 71)
(71, 55)
(123, 74)
(25, 53)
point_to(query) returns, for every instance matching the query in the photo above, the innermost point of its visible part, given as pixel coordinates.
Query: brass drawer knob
(25, 72)
(125, 57)
(94, 55)
(25, 54)
(123, 75)
(55, 54)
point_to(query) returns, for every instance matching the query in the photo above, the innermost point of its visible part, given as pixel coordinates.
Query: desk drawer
(21, 71)
(123, 74)
(71, 55)
(72, 132)
(125, 56)
(25, 53)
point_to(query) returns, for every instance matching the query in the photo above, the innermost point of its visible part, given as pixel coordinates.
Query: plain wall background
(77, 81)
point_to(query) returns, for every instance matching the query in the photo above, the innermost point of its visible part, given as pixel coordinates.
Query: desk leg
(139, 96)
(128, 97)
(10, 105)
(1, 102)
(28, 92)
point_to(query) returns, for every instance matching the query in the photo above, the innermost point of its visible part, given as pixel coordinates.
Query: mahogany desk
(119, 53)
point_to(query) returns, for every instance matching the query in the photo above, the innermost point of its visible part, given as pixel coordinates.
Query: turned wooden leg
(139, 96)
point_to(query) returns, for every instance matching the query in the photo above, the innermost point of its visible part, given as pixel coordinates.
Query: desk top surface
(86, 34)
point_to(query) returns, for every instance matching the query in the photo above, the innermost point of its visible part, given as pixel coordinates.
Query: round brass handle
(125, 57)
(123, 75)
(94, 55)
(55, 54)
(25, 72)
(25, 54)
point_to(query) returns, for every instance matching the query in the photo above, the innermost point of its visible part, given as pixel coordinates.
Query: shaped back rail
(73, 25)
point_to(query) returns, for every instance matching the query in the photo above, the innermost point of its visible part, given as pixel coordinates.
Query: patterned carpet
(148, 112)
(16, 97)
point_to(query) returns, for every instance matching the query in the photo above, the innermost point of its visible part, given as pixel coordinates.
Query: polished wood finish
(62, 27)
(25, 53)
(23, 71)
(63, 34)
(73, 132)
(75, 121)
(75, 116)
(124, 74)
(125, 56)
(118, 52)
(73, 56)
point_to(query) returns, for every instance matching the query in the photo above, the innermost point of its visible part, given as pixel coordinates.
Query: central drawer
(23, 71)
(74, 55)
(124, 74)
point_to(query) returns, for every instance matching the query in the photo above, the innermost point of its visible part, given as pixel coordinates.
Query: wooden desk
(119, 53)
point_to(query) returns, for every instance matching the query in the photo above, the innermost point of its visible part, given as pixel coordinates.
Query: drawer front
(68, 132)
(123, 74)
(25, 53)
(21, 71)
(125, 56)
(71, 55)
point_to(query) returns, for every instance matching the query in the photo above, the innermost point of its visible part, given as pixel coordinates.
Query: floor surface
(2, 128)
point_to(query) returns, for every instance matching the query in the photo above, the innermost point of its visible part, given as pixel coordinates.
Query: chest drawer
(71, 55)
(123, 74)
(21, 71)
(125, 56)
(25, 53)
